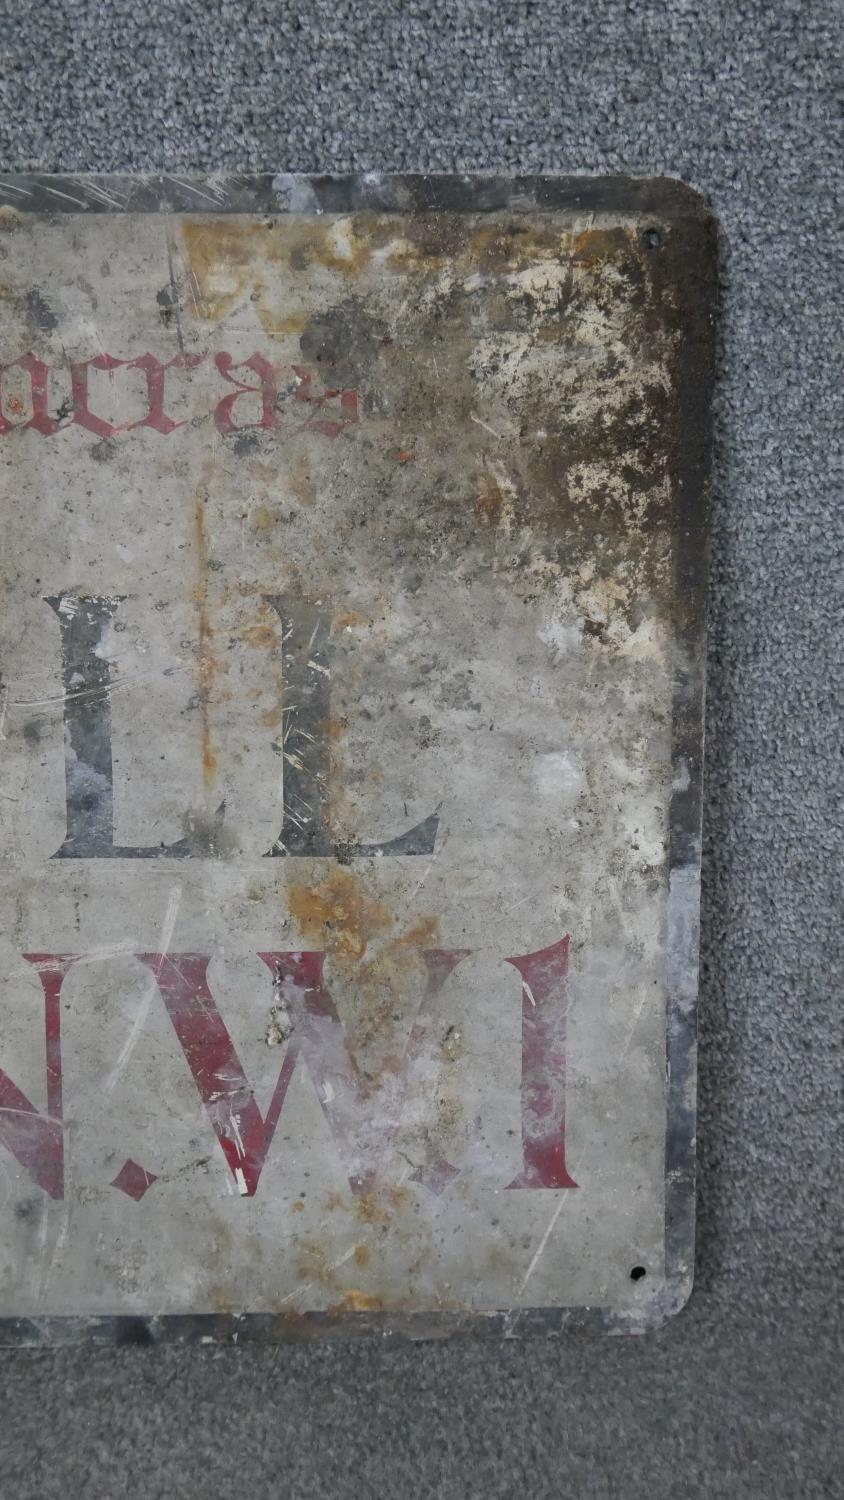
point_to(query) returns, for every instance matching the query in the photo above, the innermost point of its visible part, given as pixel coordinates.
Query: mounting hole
(637, 1273)
(652, 238)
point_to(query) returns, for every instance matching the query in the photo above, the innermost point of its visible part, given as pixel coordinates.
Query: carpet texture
(737, 1396)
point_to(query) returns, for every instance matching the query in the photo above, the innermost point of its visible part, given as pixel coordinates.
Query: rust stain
(227, 265)
(272, 717)
(423, 934)
(262, 518)
(376, 1209)
(263, 636)
(205, 657)
(378, 973)
(333, 728)
(345, 246)
(263, 472)
(356, 1301)
(488, 499)
(400, 1197)
(220, 1299)
(337, 914)
(301, 481)
(313, 1264)
(223, 264)
(231, 263)
(371, 1210)
(594, 246)
(347, 619)
(290, 325)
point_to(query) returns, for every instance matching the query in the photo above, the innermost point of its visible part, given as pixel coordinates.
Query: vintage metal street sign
(353, 585)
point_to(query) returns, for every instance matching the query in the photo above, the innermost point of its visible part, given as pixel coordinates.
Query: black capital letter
(307, 676)
(89, 777)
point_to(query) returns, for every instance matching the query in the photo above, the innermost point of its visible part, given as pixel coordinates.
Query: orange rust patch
(495, 248)
(488, 499)
(301, 482)
(298, 1207)
(230, 263)
(370, 1209)
(594, 246)
(333, 728)
(312, 1264)
(337, 914)
(294, 324)
(422, 934)
(262, 518)
(378, 977)
(262, 471)
(227, 265)
(272, 717)
(492, 247)
(220, 1299)
(347, 619)
(356, 1301)
(260, 635)
(204, 658)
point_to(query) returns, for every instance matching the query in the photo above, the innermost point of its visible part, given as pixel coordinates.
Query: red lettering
(38, 374)
(362, 1133)
(267, 390)
(82, 414)
(330, 426)
(544, 1015)
(364, 1116)
(155, 372)
(332, 408)
(36, 1139)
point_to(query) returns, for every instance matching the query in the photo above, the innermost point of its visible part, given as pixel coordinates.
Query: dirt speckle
(40, 312)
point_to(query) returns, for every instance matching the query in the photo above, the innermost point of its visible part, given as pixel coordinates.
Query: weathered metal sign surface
(353, 569)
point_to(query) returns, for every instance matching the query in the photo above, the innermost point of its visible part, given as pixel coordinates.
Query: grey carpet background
(742, 98)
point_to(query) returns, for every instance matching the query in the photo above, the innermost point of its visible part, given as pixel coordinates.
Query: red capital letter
(267, 390)
(544, 1007)
(38, 374)
(364, 1118)
(82, 413)
(155, 371)
(38, 1140)
(330, 426)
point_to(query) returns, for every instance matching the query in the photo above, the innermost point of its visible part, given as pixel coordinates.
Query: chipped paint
(364, 576)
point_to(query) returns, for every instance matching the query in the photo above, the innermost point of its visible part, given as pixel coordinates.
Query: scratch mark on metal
(68, 196)
(167, 930)
(540, 1250)
(480, 423)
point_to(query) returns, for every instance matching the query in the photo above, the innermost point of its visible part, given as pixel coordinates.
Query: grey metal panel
(352, 654)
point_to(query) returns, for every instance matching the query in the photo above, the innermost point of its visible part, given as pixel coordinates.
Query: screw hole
(637, 1273)
(652, 238)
